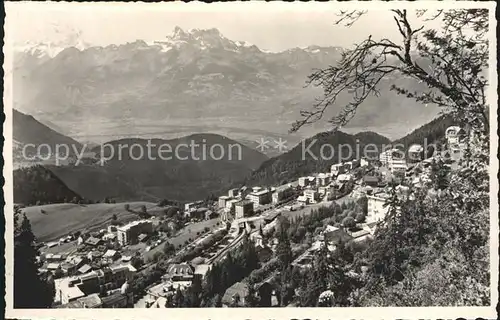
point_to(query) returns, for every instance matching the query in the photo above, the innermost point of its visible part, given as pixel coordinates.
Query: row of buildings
(245, 201)
(326, 185)
(98, 282)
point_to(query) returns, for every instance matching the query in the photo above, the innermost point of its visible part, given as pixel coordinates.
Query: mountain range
(29, 135)
(126, 175)
(190, 82)
(189, 176)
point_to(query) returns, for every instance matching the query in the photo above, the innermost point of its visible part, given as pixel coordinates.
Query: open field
(61, 219)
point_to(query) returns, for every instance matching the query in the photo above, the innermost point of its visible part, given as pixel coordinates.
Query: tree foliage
(451, 62)
(31, 289)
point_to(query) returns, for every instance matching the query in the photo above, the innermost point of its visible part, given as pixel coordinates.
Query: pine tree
(283, 249)
(250, 299)
(31, 290)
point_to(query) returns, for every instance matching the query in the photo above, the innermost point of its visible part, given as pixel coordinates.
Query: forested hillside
(315, 154)
(38, 185)
(428, 133)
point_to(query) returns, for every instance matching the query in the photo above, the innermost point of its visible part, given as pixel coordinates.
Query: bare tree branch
(450, 63)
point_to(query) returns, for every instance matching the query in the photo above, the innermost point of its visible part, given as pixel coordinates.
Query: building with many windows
(260, 197)
(388, 156)
(398, 165)
(311, 195)
(282, 193)
(223, 200)
(337, 169)
(129, 233)
(376, 207)
(243, 208)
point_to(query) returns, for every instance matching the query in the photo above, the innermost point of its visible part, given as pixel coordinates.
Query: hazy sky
(277, 28)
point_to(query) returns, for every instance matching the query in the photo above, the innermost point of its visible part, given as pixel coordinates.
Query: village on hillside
(152, 261)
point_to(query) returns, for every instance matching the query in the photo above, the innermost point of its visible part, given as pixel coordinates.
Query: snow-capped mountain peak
(51, 48)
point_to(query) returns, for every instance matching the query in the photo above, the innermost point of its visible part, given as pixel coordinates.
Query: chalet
(180, 272)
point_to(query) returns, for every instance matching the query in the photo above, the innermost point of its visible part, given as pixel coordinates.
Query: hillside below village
(229, 251)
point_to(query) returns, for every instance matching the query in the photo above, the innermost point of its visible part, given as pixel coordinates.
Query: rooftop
(110, 253)
(159, 290)
(133, 224)
(344, 176)
(243, 203)
(93, 241)
(113, 298)
(180, 269)
(89, 275)
(416, 148)
(330, 228)
(260, 193)
(53, 266)
(71, 292)
(360, 233)
(121, 267)
(85, 268)
(202, 269)
(91, 301)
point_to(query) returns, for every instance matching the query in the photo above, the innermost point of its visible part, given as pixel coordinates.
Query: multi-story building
(344, 178)
(398, 165)
(337, 169)
(72, 288)
(188, 207)
(233, 193)
(260, 197)
(223, 200)
(128, 234)
(323, 179)
(303, 181)
(311, 195)
(415, 153)
(243, 208)
(243, 192)
(453, 135)
(307, 181)
(281, 193)
(351, 165)
(388, 156)
(231, 203)
(376, 207)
